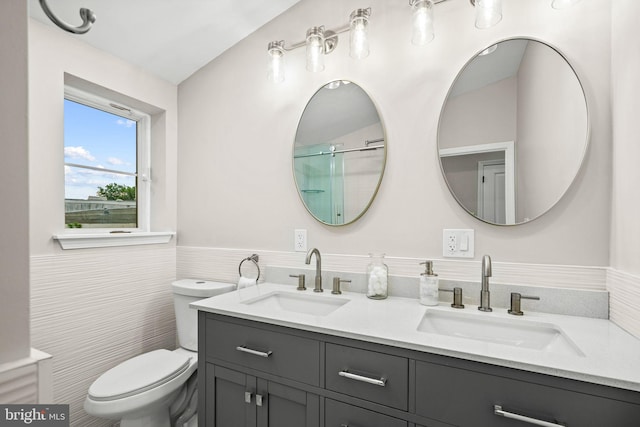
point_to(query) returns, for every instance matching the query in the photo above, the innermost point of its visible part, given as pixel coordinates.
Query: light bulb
(315, 49)
(488, 13)
(275, 71)
(422, 22)
(358, 34)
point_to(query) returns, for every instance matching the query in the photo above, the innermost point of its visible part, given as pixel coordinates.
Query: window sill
(102, 240)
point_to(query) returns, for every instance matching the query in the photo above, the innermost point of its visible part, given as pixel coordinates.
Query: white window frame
(99, 237)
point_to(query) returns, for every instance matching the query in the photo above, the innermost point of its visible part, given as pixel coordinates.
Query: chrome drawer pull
(497, 409)
(381, 382)
(247, 397)
(244, 349)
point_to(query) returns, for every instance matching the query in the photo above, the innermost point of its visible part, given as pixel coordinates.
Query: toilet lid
(139, 374)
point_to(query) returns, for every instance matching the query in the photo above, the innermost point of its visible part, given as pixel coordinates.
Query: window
(106, 164)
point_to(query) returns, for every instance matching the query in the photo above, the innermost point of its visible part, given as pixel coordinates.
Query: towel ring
(253, 258)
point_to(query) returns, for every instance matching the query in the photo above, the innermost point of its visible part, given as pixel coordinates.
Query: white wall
(236, 188)
(92, 309)
(624, 277)
(14, 250)
(625, 235)
(468, 119)
(552, 129)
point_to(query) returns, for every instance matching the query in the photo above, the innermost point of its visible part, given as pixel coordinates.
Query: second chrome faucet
(485, 301)
(318, 281)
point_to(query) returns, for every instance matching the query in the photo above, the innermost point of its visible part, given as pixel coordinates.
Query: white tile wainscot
(624, 289)
(222, 264)
(94, 308)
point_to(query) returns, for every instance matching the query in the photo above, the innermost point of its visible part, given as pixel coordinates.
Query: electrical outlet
(457, 243)
(452, 242)
(300, 240)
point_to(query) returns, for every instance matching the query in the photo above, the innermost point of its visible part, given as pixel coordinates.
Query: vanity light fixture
(488, 14)
(319, 42)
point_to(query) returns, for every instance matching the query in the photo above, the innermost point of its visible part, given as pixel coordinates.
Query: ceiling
(169, 38)
(484, 70)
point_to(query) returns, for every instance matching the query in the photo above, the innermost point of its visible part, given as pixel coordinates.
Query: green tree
(115, 191)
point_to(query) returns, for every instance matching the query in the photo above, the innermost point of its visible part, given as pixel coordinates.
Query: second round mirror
(513, 132)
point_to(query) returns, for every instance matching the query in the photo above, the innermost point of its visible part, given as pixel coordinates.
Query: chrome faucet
(485, 304)
(318, 283)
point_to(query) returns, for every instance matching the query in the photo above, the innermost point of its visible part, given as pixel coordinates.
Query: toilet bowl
(153, 388)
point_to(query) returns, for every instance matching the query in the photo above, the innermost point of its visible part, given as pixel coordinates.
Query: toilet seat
(139, 374)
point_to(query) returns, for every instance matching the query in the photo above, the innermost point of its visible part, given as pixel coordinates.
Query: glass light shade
(422, 22)
(489, 50)
(315, 49)
(275, 71)
(488, 13)
(562, 4)
(358, 34)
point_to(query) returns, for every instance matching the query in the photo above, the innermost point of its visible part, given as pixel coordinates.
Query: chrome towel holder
(254, 258)
(87, 15)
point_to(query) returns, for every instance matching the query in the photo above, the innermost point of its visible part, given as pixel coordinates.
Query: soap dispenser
(428, 285)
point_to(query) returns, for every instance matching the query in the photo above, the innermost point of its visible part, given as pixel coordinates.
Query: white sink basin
(516, 332)
(315, 305)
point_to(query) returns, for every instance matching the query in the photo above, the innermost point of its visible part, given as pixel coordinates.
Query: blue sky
(96, 138)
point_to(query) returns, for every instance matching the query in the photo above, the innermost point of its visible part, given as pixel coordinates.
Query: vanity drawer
(338, 414)
(276, 353)
(369, 375)
(467, 399)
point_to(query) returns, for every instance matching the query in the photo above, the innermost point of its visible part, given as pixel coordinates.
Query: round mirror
(339, 153)
(513, 132)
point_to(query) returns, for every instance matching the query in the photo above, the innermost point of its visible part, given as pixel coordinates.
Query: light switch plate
(458, 243)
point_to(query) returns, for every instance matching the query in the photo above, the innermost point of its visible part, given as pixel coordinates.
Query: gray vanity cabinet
(236, 399)
(244, 386)
(338, 414)
(260, 375)
(369, 375)
(466, 394)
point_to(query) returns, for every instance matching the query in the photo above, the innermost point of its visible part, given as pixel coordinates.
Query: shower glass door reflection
(320, 176)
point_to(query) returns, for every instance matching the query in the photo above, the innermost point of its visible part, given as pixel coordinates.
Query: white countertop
(611, 355)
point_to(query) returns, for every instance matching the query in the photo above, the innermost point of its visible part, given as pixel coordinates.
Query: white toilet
(153, 388)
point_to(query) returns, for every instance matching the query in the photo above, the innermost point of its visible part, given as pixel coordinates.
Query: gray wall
(14, 251)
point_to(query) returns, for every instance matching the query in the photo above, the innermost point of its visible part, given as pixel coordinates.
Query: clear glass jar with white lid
(377, 277)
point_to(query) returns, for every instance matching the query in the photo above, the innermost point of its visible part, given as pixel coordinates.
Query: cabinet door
(283, 406)
(230, 400)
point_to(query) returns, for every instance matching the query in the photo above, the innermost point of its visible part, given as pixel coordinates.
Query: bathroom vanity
(356, 362)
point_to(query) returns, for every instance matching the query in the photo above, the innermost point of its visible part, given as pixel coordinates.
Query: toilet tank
(186, 291)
